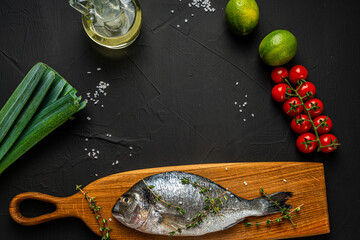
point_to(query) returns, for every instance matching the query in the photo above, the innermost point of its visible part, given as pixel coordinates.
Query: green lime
(242, 16)
(278, 48)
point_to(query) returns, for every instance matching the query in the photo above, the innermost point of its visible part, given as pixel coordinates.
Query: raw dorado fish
(138, 209)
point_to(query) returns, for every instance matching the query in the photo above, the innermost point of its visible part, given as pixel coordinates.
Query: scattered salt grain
(93, 153)
(96, 174)
(130, 147)
(88, 118)
(253, 115)
(285, 180)
(172, 11)
(117, 162)
(86, 139)
(130, 155)
(98, 69)
(192, 14)
(240, 110)
(185, 20)
(88, 72)
(226, 169)
(85, 149)
(237, 83)
(245, 183)
(101, 87)
(246, 95)
(244, 119)
(178, 25)
(235, 103)
(110, 219)
(204, 4)
(180, 203)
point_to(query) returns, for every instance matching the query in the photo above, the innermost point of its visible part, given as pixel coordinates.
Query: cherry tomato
(296, 73)
(293, 107)
(278, 74)
(300, 125)
(325, 127)
(303, 144)
(278, 92)
(315, 106)
(328, 139)
(305, 88)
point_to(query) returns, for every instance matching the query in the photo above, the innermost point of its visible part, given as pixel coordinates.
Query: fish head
(131, 209)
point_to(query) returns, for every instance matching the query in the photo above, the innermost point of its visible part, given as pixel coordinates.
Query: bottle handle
(80, 5)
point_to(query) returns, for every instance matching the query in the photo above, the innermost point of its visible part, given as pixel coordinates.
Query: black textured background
(171, 98)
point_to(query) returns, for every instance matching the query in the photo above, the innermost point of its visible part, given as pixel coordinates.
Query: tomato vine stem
(308, 113)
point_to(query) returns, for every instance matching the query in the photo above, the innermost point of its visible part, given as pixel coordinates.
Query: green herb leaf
(185, 181)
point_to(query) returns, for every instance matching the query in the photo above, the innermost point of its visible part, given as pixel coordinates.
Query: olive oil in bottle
(110, 23)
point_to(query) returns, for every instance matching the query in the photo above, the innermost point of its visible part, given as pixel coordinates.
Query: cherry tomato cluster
(298, 98)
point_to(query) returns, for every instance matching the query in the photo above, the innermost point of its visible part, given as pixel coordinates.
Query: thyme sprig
(334, 143)
(285, 213)
(213, 205)
(103, 222)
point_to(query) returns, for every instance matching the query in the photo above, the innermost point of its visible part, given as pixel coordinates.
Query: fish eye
(126, 200)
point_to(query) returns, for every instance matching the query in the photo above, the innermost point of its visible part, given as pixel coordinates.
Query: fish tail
(276, 203)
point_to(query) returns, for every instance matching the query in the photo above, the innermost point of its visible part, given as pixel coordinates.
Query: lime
(278, 47)
(242, 16)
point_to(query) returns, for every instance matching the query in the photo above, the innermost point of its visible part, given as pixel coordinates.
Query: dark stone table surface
(171, 99)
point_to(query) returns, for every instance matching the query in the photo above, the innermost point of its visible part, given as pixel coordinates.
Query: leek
(18, 99)
(52, 117)
(27, 113)
(41, 103)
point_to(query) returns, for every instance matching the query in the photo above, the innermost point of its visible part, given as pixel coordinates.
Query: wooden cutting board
(305, 180)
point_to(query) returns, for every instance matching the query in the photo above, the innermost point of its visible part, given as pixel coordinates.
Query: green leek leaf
(27, 112)
(52, 117)
(18, 99)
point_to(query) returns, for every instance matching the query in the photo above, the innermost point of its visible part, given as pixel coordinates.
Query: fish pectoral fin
(172, 221)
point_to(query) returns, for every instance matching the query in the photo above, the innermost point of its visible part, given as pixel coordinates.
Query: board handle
(15, 213)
